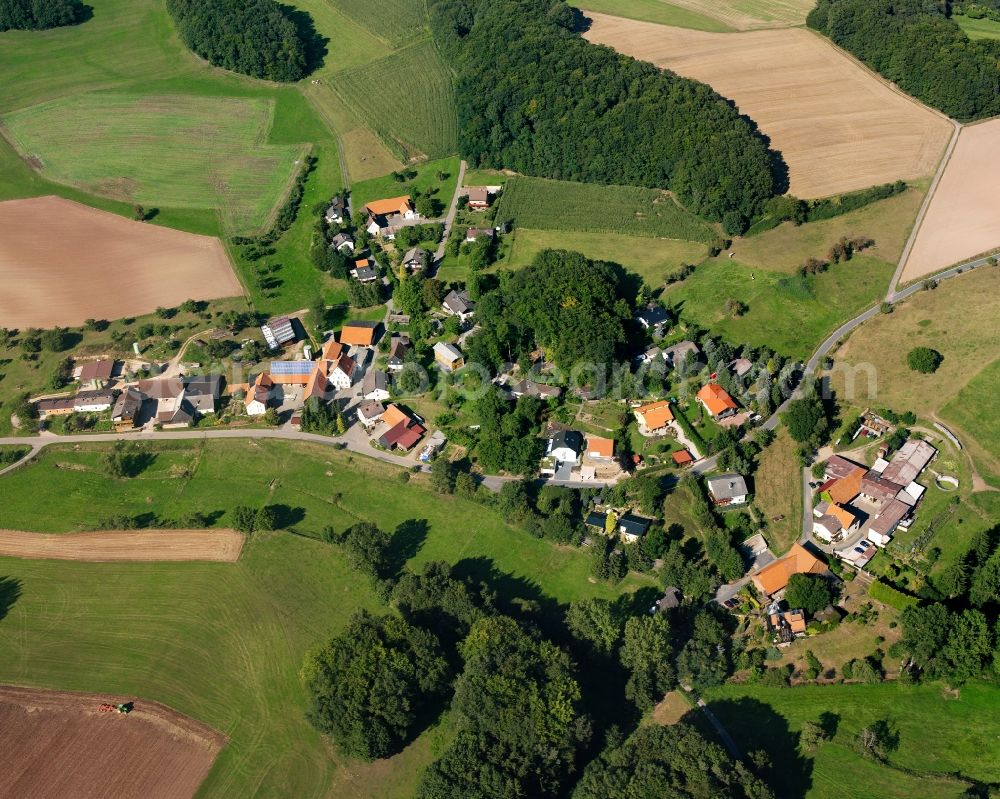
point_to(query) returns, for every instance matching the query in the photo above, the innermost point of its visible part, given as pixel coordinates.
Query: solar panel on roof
(291, 367)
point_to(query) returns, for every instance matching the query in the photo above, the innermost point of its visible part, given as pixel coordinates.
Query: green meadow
(224, 642)
(974, 413)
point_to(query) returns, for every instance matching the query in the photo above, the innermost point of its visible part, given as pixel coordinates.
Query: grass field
(777, 491)
(978, 28)
(658, 11)
(974, 416)
(793, 83)
(789, 313)
(142, 629)
(396, 21)
(174, 150)
(939, 736)
(408, 100)
(385, 186)
(958, 319)
(787, 247)
(543, 204)
(653, 259)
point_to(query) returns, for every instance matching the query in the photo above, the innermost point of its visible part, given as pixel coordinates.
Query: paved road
(452, 210)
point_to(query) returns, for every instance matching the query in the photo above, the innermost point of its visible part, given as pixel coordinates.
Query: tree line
(259, 38)
(36, 15)
(914, 44)
(560, 107)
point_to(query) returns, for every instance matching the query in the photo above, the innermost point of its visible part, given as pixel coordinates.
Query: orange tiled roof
(391, 205)
(394, 415)
(774, 577)
(682, 456)
(843, 514)
(715, 398)
(360, 336)
(316, 385)
(605, 447)
(332, 350)
(656, 414)
(847, 488)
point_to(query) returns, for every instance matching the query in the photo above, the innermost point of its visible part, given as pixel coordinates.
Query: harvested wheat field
(838, 127)
(114, 545)
(962, 219)
(58, 744)
(62, 263)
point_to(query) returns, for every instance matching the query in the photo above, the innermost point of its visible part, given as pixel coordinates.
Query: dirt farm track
(838, 127)
(109, 546)
(62, 263)
(57, 745)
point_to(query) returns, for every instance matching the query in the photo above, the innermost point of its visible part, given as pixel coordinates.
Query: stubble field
(107, 546)
(62, 263)
(57, 744)
(838, 127)
(962, 219)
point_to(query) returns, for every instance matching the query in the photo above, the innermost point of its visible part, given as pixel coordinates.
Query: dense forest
(36, 15)
(536, 97)
(915, 45)
(253, 37)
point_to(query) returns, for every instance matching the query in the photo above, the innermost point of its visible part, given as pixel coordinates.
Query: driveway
(450, 217)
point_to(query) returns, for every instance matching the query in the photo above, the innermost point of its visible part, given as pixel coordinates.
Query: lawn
(142, 630)
(974, 415)
(543, 204)
(407, 99)
(777, 490)
(653, 259)
(173, 150)
(657, 11)
(940, 735)
(978, 28)
(426, 180)
(789, 313)
(958, 319)
(787, 247)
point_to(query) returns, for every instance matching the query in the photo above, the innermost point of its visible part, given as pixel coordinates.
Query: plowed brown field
(111, 545)
(62, 263)
(57, 745)
(838, 127)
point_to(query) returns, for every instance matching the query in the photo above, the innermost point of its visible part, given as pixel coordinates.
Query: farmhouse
(654, 417)
(258, 395)
(59, 406)
(342, 242)
(716, 401)
(838, 467)
(448, 357)
(397, 353)
(332, 350)
(370, 412)
(391, 206)
(97, 374)
(317, 385)
(359, 334)
(344, 372)
(402, 432)
(291, 373)
(842, 490)
(93, 401)
(727, 489)
(375, 385)
(886, 521)
(911, 459)
(479, 198)
(336, 211)
(773, 579)
(416, 258)
(126, 410)
(179, 401)
(833, 521)
(278, 331)
(458, 303)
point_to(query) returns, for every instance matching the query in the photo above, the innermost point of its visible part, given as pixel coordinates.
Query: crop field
(174, 150)
(117, 545)
(653, 259)
(960, 221)
(974, 416)
(58, 744)
(706, 15)
(958, 319)
(142, 629)
(62, 263)
(965, 739)
(408, 99)
(788, 313)
(658, 11)
(837, 126)
(563, 205)
(787, 247)
(978, 28)
(777, 492)
(53, 251)
(396, 21)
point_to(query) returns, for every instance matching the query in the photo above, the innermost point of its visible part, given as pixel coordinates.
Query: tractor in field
(124, 708)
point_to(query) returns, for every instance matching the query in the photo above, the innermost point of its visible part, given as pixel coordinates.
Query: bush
(924, 360)
(887, 595)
